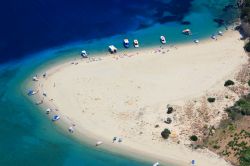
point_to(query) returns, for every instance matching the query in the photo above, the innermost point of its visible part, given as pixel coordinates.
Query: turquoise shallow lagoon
(27, 135)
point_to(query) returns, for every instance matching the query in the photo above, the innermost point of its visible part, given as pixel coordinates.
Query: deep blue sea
(37, 33)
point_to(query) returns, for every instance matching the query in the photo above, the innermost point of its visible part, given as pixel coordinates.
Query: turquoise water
(28, 137)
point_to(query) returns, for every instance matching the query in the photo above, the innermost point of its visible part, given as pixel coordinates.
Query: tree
(193, 138)
(247, 47)
(165, 133)
(228, 83)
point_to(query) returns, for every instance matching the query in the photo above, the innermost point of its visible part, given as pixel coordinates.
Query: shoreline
(121, 147)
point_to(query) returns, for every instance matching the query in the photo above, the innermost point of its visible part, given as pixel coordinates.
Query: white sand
(127, 96)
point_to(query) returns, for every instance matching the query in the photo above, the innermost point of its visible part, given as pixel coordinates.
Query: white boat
(84, 54)
(163, 40)
(196, 41)
(187, 32)
(71, 129)
(48, 110)
(213, 37)
(112, 49)
(32, 92)
(126, 43)
(55, 118)
(156, 164)
(35, 78)
(220, 33)
(98, 143)
(136, 43)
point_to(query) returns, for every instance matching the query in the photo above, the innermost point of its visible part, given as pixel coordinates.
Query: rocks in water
(219, 21)
(185, 23)
(168, 120)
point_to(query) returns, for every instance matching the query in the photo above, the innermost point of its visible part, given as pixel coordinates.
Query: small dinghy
(112, 49)
(187, 32)
(196, 41)
(220, 33)
(71, 129)
(35, 78)
(156, 164)
(136, 43)
(55, 118)
(163, 39)
(126, 43)
(84, 54)
(98, 143)
(214, 37)
(32, 92)
(48, 110)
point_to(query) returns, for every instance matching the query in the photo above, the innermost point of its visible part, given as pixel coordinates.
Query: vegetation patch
(228, 83)
(165, 133)
(194, 138)
(211, 99)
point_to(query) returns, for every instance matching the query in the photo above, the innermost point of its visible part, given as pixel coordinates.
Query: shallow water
(60, 29)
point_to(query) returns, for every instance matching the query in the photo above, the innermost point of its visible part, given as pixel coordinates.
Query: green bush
(228, 83)
(211, 99)
(193, 138)
(247, 47)
(249, 83)
(165, 133)
(245, 157)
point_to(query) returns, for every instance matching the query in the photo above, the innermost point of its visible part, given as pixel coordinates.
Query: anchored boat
(163, 39)
(84, 54)
(55, 118)
(112, 49)
(126, 43)
(136, 43)
(187, 32)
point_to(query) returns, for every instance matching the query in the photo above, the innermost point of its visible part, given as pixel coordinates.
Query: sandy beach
(126, 95)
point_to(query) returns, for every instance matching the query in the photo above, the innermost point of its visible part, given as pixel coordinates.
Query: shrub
(170, 110)
(247, 47)
(165, 133)
(245, 157)
(211, 99)
(249, 83)
(193, 138)
(228, 83)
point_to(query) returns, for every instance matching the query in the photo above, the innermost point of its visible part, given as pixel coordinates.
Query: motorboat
(126, 43)
(112, 49)
(55, 118)
(187, 32)
(84, 54)
(136, 43)
(163, 40)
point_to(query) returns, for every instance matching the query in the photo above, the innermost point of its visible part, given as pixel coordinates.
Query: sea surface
(38, 33)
